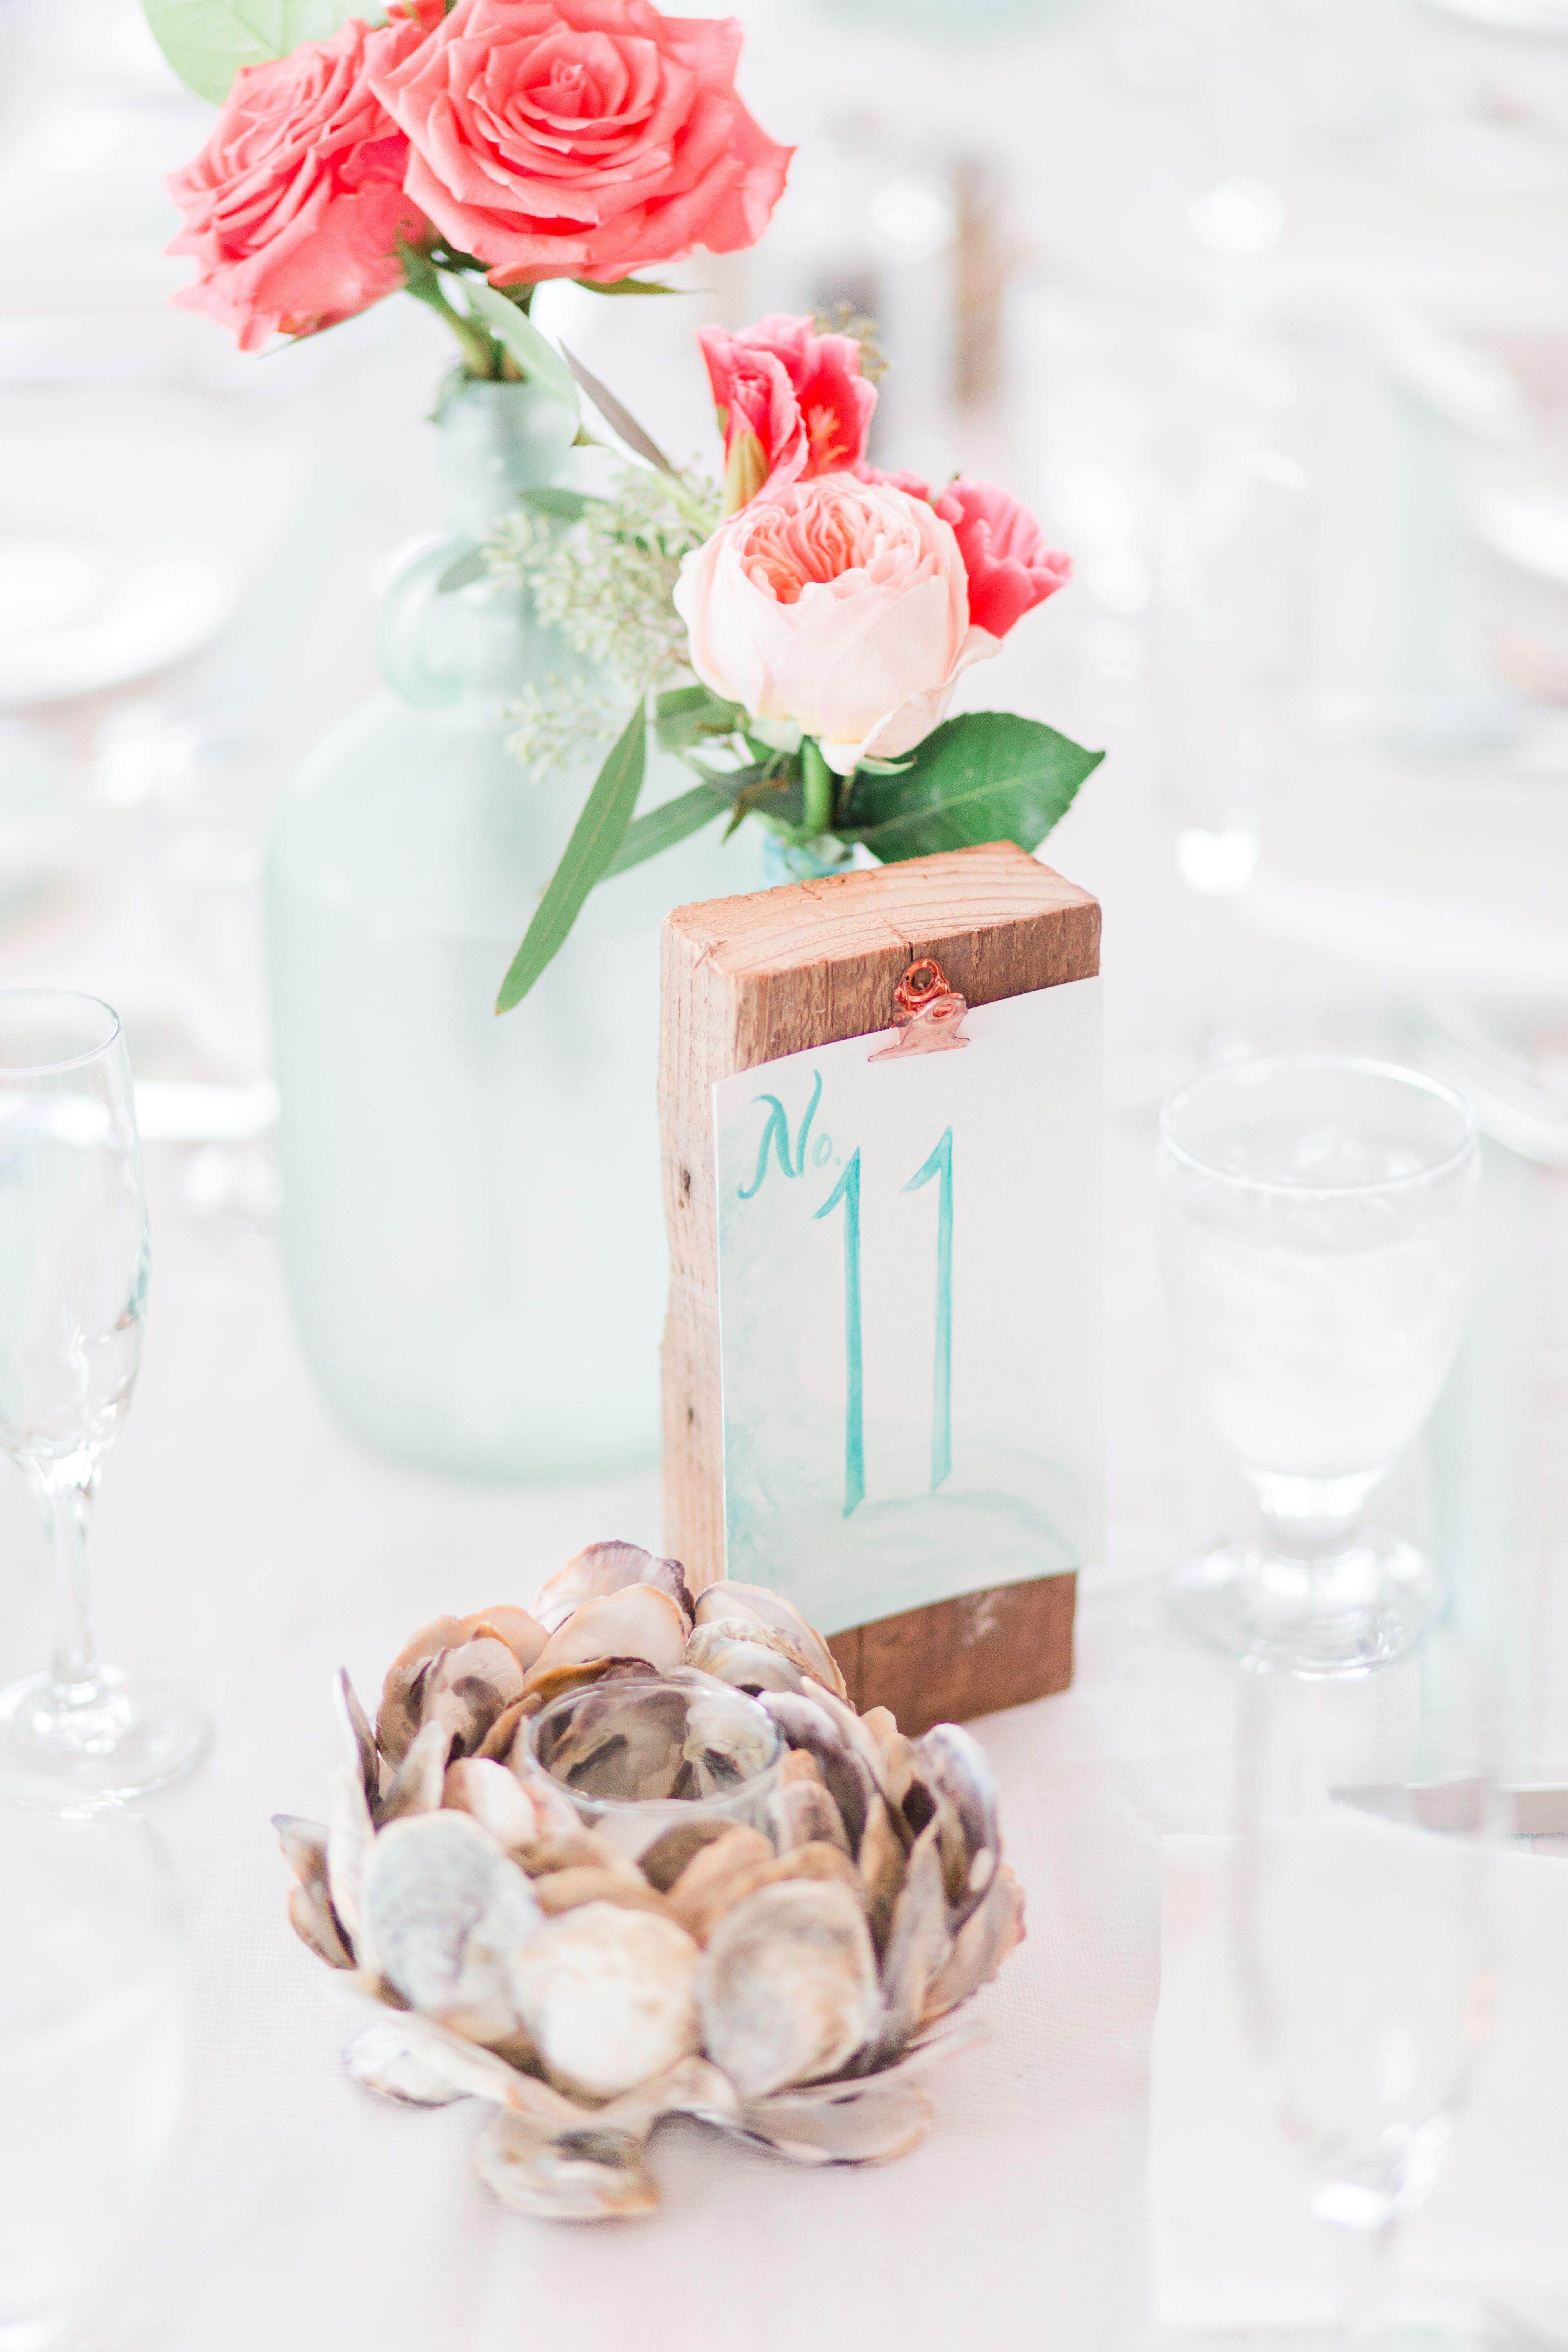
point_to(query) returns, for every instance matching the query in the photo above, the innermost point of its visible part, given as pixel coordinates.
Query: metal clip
(927, 1014)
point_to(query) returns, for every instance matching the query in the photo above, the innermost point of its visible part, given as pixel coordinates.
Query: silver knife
(1528, 1812)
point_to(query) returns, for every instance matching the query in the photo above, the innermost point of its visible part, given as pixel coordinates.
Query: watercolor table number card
(883, 1367)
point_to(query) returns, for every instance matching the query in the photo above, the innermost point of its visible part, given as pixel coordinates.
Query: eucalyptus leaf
(596, 838)
(463, 572)
(662, 827)
(540, 360)
(620, 420)
(207, 41)
(552, 499)
(625, 286)
(986, 776)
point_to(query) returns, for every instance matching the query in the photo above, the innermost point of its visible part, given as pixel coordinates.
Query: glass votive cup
(641, 1755)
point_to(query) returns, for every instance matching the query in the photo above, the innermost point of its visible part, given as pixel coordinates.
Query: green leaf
(662, 827)
(540, 360)
(568, 506)
(464, 571)
(207, 41)
(986, 776)
(620, 420)
(595, 838)
(685, 714)
(625, 286)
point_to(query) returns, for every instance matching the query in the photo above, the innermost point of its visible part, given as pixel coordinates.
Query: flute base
(1337, 1614)
(101, 1742)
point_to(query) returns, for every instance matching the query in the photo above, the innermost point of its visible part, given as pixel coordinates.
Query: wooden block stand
(745, 981)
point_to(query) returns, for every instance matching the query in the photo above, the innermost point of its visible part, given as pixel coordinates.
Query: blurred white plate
(76, 617)
(1508, 16)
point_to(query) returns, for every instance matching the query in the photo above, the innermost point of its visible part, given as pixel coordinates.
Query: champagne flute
(73, 1294)
(1363, 1940)
(93, 2059)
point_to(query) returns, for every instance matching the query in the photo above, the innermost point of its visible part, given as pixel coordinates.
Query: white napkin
(1234, 2243)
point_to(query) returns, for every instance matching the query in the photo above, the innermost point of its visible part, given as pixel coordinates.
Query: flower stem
(816, 778)
(482, 356)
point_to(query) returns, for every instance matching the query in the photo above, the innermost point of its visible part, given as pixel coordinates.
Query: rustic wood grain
(959, 1658)
(748, 979)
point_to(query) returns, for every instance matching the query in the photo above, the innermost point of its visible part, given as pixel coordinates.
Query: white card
(909, 1312)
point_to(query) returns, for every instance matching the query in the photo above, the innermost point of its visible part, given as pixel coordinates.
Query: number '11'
(847, 1189)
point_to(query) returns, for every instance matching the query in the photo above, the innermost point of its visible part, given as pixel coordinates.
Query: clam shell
(584, 2174)
(362, 1738)
(609, 1996)
(663, 1862)
(578, 1849)
(415, 1786)
(397, 1718)
(304, 1845)
(770, 1613)
(868, 2122)
(788, 1986)
(738, 1850)
(446, 1914)
(379, 2057)
(350, 1838)
(992, 1929)
(807, 1723)
(880, 1862)
(468, 1688)
(497, 1799)
(565, 1890)
(957, 1771)
(399, 1714)
(603, 1569)
(311, 1916)
(642, 1621)
(818, 1860)
(799, 1809)
(919, 1942)
(746, 1656)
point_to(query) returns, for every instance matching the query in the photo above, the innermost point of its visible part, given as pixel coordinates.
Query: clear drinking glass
(92, 2060)
(1315, 1222)
(1364, 1942)
(73, 1293)
(641, 1755)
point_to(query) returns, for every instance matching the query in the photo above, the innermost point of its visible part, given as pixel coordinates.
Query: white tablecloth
(244, 1538)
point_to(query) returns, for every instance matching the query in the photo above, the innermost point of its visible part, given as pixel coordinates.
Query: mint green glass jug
(472, 1216)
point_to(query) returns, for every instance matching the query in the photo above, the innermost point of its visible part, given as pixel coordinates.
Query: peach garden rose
(845, 603)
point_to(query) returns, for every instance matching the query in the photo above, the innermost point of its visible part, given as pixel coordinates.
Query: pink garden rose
(294, 207)
(791, 404)
(839, 604)
(582, 138)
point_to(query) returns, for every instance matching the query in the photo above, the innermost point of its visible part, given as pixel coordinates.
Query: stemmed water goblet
(73, 1294)
(1364, 1942)
(1315, 1222)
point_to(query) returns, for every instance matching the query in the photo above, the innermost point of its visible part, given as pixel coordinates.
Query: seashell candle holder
(633, 1856)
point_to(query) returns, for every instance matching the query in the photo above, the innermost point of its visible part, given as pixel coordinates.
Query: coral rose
(839, 604)
(1008, 567)
(582, 138)
(791, 404)
(294, 207)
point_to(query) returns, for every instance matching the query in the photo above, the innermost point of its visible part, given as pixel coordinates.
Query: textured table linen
(1232, 2237)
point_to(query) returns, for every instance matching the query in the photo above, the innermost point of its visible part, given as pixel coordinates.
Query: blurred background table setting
(1259, 310)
